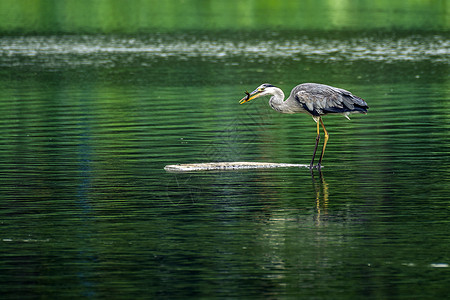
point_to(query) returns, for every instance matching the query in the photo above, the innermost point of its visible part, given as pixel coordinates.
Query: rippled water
(89, 122)
(410, 48)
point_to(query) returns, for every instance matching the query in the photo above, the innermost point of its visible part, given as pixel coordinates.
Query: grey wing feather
(320, 99)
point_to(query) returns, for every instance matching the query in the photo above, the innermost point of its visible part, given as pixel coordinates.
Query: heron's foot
(318, 167)
(312, 166)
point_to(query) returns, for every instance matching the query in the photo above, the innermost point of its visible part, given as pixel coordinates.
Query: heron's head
(262, 90)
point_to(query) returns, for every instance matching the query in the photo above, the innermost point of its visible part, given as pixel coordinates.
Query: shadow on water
(235, 188)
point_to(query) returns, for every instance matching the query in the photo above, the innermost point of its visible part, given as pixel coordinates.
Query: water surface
(89, 122)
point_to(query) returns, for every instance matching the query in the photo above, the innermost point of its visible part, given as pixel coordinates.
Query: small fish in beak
(246, 98)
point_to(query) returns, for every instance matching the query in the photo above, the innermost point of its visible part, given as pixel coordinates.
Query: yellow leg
(324, 142)
(318, 132)
(315, 148)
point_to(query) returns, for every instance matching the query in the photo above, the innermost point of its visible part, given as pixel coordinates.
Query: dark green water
(89, 122)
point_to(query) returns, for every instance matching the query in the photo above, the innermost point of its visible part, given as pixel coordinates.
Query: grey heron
(314, 99)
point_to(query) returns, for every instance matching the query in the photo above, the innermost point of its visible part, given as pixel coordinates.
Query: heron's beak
(250, 96)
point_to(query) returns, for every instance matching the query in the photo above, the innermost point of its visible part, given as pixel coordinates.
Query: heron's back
(320, 99)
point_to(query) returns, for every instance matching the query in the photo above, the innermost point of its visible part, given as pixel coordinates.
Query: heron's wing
(319, 99)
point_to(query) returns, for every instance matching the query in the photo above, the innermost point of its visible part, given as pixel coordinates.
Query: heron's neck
(277, 101)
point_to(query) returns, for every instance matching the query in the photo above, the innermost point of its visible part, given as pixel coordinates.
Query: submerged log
(239, 165)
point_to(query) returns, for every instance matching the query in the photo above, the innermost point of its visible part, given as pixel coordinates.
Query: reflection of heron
(321, 190)
(312, 98)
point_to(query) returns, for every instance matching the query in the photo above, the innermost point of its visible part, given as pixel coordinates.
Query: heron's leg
(324, 142)
(315, 148)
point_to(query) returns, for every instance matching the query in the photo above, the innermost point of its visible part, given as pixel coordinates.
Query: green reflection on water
(88, 123)
(138, 16)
